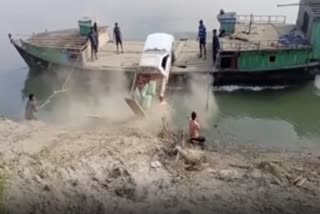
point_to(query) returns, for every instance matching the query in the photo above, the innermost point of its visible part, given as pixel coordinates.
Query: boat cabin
(252, 43)
(308, 23)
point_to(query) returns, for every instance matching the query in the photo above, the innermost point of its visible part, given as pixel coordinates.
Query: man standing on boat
(31, 108)
(215, 46)
(117, 37)
(202, 38)
(95, 29)
(93, 38)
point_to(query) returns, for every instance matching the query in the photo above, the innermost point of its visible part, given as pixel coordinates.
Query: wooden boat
(255, 51)
(63, 47)
(264, 50)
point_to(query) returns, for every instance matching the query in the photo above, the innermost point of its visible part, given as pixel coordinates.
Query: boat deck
(186, 53)
(259, 36)
(58, 39)
(64, 39)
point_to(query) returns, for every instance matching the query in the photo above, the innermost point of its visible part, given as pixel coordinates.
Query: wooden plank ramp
(136, 107)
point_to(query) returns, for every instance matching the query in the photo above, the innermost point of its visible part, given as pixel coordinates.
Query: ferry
(254, 50)
(264, 50)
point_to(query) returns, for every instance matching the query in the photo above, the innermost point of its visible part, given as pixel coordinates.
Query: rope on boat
(208, 93)
(64, 86)
(210, 79)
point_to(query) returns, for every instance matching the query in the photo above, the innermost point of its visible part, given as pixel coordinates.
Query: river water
(282, 117)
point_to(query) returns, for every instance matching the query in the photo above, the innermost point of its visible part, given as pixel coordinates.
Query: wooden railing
(261, 19)
(257, 45)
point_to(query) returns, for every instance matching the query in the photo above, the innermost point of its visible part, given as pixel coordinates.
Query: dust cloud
(94, 95)
(91, 94)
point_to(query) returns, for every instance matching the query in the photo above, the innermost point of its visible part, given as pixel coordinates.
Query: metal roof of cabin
(314, 5)
(315, 9)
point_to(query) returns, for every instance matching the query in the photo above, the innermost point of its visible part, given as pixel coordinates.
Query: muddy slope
(125, 169)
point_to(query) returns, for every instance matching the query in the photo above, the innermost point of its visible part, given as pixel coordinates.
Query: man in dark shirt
(117, 37)
(202, 38)
(215, 46)
(95, 27)
(93, 38)
(96, 30)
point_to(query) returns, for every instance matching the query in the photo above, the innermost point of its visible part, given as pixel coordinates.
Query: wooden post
(211, 80)
(133, 83)
(250, 23)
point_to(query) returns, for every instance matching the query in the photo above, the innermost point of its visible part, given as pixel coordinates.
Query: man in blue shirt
(202, 38)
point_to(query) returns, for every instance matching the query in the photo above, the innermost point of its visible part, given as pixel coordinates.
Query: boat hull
(63, 48)
(32, 61)
(280, 77)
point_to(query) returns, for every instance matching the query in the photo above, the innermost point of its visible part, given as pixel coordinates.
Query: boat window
(272, 59)
(305, 24)
(164, 62)
(228, 60)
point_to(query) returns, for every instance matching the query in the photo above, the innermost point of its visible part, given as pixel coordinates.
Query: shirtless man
(194, 131)
(31, 108)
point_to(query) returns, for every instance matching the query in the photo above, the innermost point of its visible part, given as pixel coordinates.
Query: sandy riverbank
(126, 168)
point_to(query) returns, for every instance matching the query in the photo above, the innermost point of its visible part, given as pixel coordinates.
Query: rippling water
(278, 117)
(286, 118)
